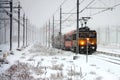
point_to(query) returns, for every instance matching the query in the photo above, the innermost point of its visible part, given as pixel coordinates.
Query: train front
(87, 41)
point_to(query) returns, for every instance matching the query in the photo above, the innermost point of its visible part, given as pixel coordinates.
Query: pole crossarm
(4, 11)
(3, 3)
(99, 8)
(9, 7)
(69, 13)
(70, 20)
(4, 19)
(8, 13)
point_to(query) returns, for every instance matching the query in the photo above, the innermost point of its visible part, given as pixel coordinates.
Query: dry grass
(19, 71)
(93, 73)
(99, 78)
(57, 67)
(3, 61)
(57, 76)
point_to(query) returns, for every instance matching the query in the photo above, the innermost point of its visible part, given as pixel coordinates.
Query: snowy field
(37, 62)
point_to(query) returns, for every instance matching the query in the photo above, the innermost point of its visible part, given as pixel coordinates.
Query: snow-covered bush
(3, 61)
(57, 76)
(19, 71)
(57, 67)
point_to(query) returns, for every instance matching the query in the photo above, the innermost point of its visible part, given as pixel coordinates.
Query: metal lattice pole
(60, 25)
(49, 36)
(11, 21)
(46, 34)
(53, 33)
(77, 35)
(26, 31)
(18, 25)
(23, 30)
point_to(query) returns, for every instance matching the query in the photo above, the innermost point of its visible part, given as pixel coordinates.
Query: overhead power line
(110, 8)
(86, 6)
(63, 2)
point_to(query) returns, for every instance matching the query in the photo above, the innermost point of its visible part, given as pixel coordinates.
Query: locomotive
(87, 40)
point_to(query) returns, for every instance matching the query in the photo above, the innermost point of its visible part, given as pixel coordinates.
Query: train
(87, 41)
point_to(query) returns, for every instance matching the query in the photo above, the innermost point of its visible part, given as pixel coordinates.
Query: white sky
(39, 11)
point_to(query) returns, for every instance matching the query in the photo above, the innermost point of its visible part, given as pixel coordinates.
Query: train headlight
(92, 43)
(93, 47)
(82, 47)
(82, 42)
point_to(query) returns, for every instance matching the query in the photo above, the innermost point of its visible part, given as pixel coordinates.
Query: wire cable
(105, 10)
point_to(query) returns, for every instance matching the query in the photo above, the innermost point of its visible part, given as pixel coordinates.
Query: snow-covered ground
(38, 62)
(113, 49)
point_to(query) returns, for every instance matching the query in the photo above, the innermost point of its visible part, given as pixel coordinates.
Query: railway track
(108, 58)
(109, 54)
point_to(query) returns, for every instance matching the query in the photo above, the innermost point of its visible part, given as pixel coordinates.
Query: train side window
(74, 36)
(68, 38)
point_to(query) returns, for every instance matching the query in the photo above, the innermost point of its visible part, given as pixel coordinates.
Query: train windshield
(87, 34)
(83, 34)
(92, 34)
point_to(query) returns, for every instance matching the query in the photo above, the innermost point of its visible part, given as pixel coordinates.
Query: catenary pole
(49, 35)
(60, 25)
(46, 35)
(11, 21)
(23, 30)
(19, 25)
(77, 35)
(26, 31)
(53, 33)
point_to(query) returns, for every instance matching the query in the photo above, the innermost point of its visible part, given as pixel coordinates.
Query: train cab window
(83, 34)
(92, 35)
